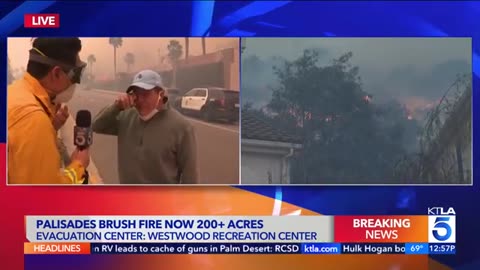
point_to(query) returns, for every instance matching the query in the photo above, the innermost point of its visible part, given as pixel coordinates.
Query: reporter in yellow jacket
(53, 70)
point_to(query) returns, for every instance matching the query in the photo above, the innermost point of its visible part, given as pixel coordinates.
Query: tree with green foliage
(346, 138)
(175, 52)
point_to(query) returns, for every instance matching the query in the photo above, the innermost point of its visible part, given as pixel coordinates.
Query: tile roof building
(266, 151)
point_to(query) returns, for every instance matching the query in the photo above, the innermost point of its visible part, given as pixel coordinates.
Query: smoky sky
(389, 67)
(147, 52)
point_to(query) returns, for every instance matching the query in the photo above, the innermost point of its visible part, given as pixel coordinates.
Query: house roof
(255, 128)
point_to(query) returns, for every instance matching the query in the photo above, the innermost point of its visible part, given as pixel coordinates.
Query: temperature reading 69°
(416, 248)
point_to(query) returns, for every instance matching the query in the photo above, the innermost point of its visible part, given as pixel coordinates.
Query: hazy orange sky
(146, 51)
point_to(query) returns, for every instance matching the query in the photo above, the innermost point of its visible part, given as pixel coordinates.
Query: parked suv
(211, 103)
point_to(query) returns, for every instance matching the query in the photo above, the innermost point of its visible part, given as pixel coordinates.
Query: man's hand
(124, 102)
(83, 156)
(61, 116)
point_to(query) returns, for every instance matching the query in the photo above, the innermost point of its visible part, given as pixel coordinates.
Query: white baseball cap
(147, 80)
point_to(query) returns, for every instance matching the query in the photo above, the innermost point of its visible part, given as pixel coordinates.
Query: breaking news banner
(231, 235)
(381, 229)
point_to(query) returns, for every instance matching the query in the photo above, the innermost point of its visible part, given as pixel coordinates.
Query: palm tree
(204, 46)
(175, 51)
(129, 60)
(187, 48)
(116, 43)
(91, 59)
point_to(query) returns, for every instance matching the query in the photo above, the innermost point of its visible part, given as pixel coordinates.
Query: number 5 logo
(441, 224)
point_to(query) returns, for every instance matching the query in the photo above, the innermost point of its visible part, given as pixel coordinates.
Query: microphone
(82, 133)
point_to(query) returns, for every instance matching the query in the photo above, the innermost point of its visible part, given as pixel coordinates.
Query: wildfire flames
(414, 108)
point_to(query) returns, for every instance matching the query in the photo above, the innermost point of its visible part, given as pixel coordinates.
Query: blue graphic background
(288, 19)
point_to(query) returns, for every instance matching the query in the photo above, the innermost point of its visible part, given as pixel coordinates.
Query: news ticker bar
(240, 248)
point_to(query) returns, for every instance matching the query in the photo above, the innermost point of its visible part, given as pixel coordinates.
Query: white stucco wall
(255, 168)
(261, 158)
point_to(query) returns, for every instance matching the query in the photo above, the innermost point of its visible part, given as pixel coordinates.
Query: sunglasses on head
(74, 73)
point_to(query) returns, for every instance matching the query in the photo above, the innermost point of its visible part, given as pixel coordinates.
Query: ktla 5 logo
(441, 229)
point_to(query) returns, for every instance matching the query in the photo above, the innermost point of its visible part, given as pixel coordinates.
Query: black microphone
(82, 133)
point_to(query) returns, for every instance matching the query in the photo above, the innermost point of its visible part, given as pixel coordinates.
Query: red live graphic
(42, 20)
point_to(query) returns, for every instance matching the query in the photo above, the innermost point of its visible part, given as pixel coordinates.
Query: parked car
(211, 103)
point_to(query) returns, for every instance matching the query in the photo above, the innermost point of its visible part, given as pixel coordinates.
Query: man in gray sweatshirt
(156, 144)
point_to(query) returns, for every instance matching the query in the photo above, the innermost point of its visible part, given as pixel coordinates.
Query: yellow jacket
(33, 156)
